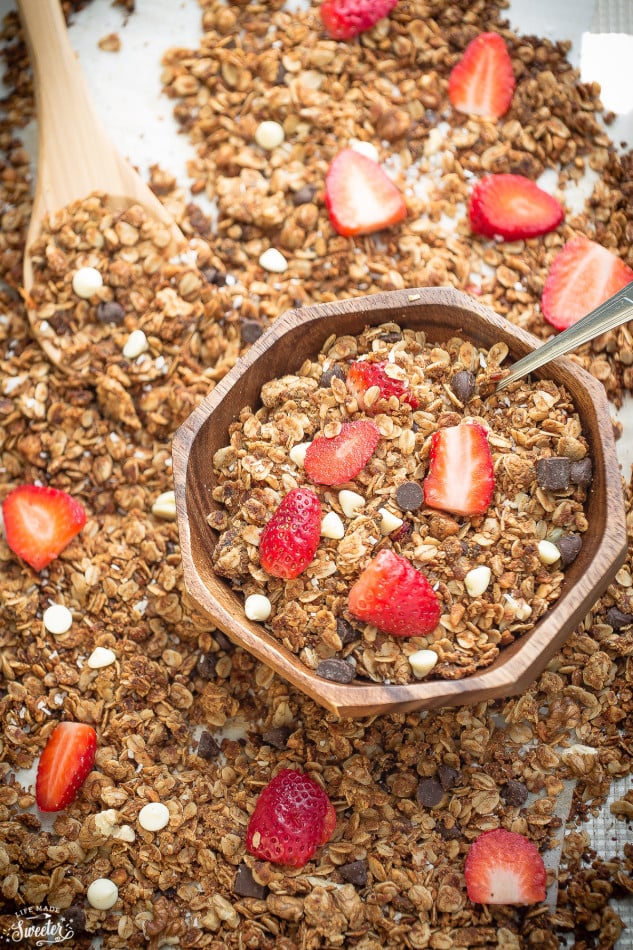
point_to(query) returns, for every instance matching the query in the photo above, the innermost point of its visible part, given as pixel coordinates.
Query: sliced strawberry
(512, 207)
(345, 19)
(40, 522)
(504, 867)
(460, 477)
(482, 83)
(363, 376)
(289, 540)
(67, 759)
(582, 276)
(293, 816)
(395, 597)
(359, 196)
(341, 458)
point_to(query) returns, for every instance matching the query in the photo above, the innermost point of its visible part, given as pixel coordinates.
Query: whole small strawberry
(365, 377)
(289, 541)
(293, 816)
(345, 19)
(394, 596)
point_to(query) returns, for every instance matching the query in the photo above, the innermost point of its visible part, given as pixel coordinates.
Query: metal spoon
(611, 314)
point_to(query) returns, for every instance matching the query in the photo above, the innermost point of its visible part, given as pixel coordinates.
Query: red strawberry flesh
(482, 82)
(394, 596)
(582, 276)
(293, 816)
(504, 867)
(512, 207)
(336, 460)
(66, 760)
(40, 522)
(359, 195)
(344, 19)
(289, 540)
(364, 375)
(460, 477)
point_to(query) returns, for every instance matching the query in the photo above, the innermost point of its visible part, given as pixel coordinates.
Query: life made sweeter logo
(36, 926)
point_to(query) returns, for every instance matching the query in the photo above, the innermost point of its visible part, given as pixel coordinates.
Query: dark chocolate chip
(250, 330)
(448, 777)
(206, 666)
(354, 873)
(391, 337)
(223, 641)
(347, 633)
(339, 671)
(581, 472)
(409, 496)
(553, 474)
(280, 78)
(207, 746)
(304, 195)
(109, 311)
(617, 619)
(245, 884)
(463, 385)
(328, 375)
(429, 792)
(449, 834)
(570, 546)
(214, 276)
(75, 919)
(277, 737)
(514, 792)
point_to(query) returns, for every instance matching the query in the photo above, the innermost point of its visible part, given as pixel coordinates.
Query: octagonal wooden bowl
(297, 334)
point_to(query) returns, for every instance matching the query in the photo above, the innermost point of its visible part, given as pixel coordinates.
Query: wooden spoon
(75, 156)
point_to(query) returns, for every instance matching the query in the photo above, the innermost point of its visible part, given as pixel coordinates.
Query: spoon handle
(611, 314)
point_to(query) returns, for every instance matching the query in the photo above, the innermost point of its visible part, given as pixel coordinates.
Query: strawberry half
(363, 376)
(482, 82)
(460, 477)
(359, 195)
(289, 540)
(395, 597)
(39, 522)
(504, 867)
(582, 276)
(67, 759)
(345, 19)
(293, 816)
(341, 458)
(512, 207)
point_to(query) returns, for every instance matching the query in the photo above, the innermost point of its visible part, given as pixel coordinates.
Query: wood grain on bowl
(442, 313)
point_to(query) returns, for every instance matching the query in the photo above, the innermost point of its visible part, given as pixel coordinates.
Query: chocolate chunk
(463, 385)
(391, 337)
(223, 641)
(328, 375)
(277, 737)
(553, 474)
(581, 472)
(109, 311)
(305, 195)
(346, 632)
(354, 873)
(339, 671)
(75, 919)
(213, 276)
(207, 746)
(250, 330)
(617, 619)
(448, 777)
(429, 792)
(514, 792)
(409, 496)
(206, 666)
(449, 834)
(245, 884)
(569, 546)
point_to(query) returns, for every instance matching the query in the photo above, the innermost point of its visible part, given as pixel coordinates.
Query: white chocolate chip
(273, 261)
(164, 506)
(351, 502)
(57, 619)
(332, 526)
(100, 657)
(154, 816)
(298, 453)
(388, 521)
(523, 610)
(477, 580)
(368, 149)
(422, 662)
(269, 135)
(548, 552)
(257, 607)
(135, 345)
(124, 833)
(102, 893)
(87, 281)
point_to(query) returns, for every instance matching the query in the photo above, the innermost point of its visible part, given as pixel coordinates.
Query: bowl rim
(521, 661)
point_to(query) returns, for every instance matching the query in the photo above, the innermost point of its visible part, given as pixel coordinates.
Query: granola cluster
(183, 717)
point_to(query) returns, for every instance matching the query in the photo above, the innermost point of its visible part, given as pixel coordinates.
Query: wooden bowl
(298, 334)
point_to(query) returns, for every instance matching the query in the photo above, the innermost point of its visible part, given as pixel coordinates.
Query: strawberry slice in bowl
(512, 207)
(360, 196)
(460, 477)
(345, 19)
(482, 83)
(336, 460)
(371, 384)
